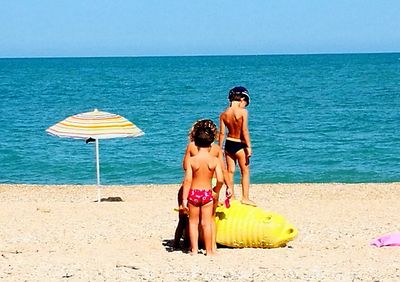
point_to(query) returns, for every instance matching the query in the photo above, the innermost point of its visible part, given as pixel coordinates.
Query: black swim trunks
(232, 147)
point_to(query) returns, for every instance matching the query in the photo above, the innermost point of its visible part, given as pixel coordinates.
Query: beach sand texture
(59, 233)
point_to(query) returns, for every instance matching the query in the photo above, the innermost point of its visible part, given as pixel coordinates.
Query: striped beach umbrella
(94, 126)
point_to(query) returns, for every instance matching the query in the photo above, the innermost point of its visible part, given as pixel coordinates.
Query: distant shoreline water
(200, 55)
(313, 118)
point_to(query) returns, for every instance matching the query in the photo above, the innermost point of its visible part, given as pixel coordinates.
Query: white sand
(59, 233)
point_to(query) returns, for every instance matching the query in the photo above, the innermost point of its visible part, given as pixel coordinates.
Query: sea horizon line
(202, 55)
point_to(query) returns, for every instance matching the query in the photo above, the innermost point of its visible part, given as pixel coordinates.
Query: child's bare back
(193, 150)
(233, 120)
(203, 165)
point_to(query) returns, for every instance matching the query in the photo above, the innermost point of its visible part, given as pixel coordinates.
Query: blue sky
(51, 28)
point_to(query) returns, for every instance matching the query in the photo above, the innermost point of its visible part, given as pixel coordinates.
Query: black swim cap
(240, 90)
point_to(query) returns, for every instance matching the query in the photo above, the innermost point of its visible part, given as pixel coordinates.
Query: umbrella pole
(98, 170)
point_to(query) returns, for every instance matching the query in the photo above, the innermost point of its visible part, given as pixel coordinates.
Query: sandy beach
(59, 233)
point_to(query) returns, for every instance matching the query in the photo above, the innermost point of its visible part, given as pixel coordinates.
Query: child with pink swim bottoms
(197, 188)
(192, 150)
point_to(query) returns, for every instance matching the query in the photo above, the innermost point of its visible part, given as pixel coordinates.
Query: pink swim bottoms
(200, 197)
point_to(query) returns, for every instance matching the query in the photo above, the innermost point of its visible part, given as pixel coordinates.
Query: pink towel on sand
(387, 240)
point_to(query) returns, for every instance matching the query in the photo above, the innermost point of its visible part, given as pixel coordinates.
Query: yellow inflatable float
(244, 226)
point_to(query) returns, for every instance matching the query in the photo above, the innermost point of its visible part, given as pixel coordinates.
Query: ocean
(312, 118)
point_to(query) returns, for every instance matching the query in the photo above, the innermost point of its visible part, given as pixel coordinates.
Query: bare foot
(212, 254)
(248, 202)
(193, 253)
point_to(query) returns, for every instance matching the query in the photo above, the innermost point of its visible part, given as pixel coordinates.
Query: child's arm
(220, 177)
(221, 135)
(220, 156)
(186, 156)
(245, 133)
(222, 164)
(187, 182)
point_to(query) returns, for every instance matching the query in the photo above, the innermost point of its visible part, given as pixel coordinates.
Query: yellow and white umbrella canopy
(96, 125)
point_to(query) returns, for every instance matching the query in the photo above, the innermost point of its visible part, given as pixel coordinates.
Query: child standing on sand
(192, 150)
(237, 142)
(197, 188)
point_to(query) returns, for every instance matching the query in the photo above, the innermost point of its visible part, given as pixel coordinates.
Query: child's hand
(215, 194)
(185, 206)
(228, 192)
(183, 210)
(248, 155)
(248, 152)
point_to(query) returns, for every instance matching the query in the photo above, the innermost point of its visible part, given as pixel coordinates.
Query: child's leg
(179, 229)
(194, 214)
(206, 224)
(186, 236)
(182, 221)
(230, 168)
(214, 226)
(245, 171)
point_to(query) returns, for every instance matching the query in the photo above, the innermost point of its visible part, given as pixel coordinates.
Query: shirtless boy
(237, 143)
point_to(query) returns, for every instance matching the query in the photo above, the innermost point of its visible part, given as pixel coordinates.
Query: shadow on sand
(170, 247)
(110, 199)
